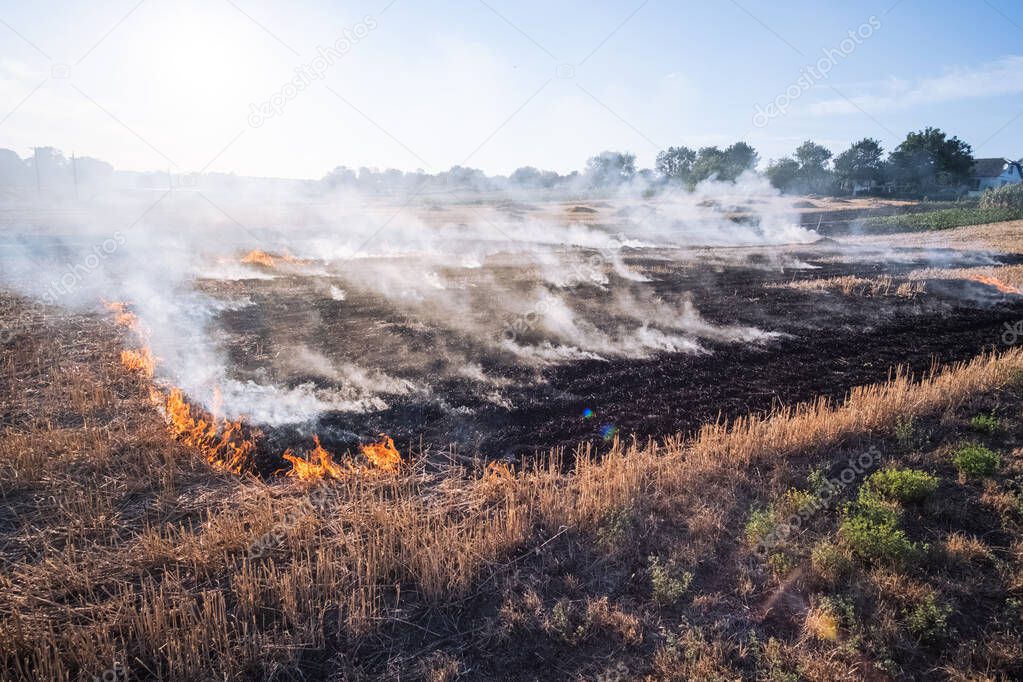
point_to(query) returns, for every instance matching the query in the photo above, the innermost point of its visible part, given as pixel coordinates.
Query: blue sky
(497, 84)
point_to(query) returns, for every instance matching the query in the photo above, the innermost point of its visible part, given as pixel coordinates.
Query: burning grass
(225, 445)
(229, 445)
(1007, 279)
(128, 551)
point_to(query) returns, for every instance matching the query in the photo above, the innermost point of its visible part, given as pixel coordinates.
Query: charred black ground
(831, 342)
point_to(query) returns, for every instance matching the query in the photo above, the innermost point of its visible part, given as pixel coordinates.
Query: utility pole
(35, 162)
(74, 172)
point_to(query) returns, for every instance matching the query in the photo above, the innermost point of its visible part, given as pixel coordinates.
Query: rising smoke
(486, 280)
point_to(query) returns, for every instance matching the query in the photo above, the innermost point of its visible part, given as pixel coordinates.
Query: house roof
(989, 168)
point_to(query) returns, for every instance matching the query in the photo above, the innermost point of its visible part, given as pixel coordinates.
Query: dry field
(872, 532)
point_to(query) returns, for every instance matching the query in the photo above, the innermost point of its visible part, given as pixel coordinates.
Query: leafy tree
(610, 168)
(341, 176)
(861, 163)
(807, 172)
(726, 164)
(676, 163)
(929, 157)
(51, 165)
(812, 157)
(13, 171)
(783, 174)
(527, 176)
(814, 174)
(710, 161)
(739, 157)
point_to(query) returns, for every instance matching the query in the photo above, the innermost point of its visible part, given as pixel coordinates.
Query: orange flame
(141, 361)
(996, 283)
(257, 257)
(224, 442)
(498, 471)
(122, 315)
(318, 465)
(225, 447)
(383, 455)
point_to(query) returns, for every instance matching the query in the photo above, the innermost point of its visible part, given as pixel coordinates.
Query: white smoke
(472, 269)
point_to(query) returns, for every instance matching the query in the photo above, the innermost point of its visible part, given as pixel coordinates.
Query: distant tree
(726, 164)
(549, 179)
(814, 174)
(812, 156)
(13, 171)
(610, 168)
(392, 179)
(929, 157)
(862, 163)
(738, 158)
(783, 174)
(464, 177)
(710, 162)
(51, 165)
(527, 176)
(341, 176)
(92, 171)
(676, 163)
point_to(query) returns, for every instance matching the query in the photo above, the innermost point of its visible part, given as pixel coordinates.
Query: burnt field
(477, 384)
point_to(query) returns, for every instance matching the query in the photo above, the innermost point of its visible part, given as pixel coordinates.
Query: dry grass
(852, 285)
(122, 546)
(1012, 275)
(1006, 237)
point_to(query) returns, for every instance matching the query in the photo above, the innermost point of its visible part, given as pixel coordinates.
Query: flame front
(257, 257)
(122, 316)
(225, 447)
(225, 443)
(140, 361)
(997, 284)
(318, 465)
(383, 455)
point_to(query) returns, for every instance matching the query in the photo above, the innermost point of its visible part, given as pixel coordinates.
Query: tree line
(925, 162)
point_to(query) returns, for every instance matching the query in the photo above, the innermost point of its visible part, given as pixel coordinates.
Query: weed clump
(985, 423)
(928, 620)
(975, 460)
(668, 588)
(900, 485)
(871, 530)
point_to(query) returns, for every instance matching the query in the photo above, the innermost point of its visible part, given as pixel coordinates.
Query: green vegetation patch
(871, 530)
(900, 485)
(945, 219)
(1009, 196)
(985, 423)
(975, 460)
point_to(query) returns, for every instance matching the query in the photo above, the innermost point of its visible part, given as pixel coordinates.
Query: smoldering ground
(469, 322)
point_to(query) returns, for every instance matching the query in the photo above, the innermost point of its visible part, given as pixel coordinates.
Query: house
(991, 173)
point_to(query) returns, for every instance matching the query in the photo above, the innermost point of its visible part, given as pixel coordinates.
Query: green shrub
(1009, 196)
(871, 530)
(928, 620)
(759, 526)
(793, 502)
(975, 460)
(900, 485)
(667, 588)
(985, 423)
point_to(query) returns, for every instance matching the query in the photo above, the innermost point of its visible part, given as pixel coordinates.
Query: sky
(294, 88)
